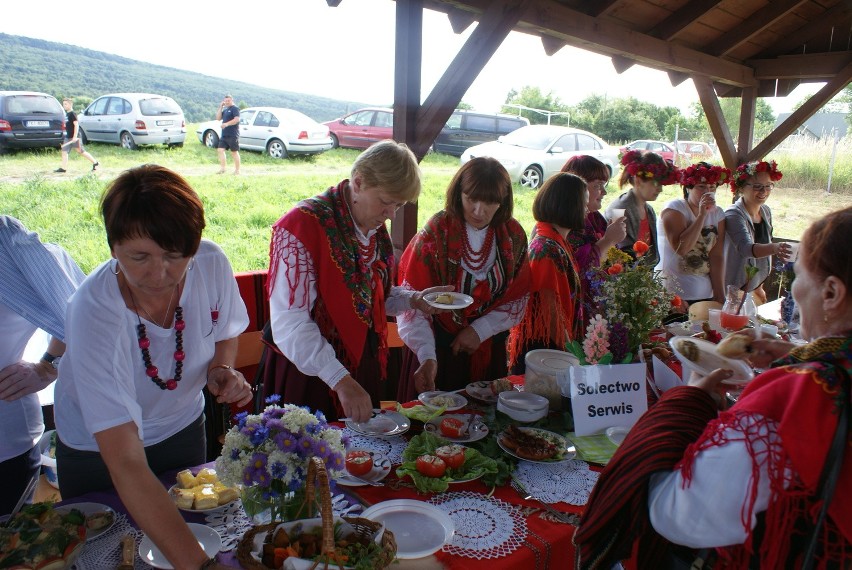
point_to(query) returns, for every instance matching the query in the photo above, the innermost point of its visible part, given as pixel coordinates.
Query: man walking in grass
(72, 138)
(229, 114)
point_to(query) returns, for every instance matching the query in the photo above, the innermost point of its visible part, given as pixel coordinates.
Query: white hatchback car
(533, 153)
(133, 119)
(275, 130)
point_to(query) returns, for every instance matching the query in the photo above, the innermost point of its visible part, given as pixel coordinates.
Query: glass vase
(264, 506)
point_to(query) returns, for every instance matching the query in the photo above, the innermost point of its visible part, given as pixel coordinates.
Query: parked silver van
(465, 129)
(133, 119)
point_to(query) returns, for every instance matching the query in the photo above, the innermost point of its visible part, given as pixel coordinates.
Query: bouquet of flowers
(604, 343)
(268, 454)
(630, 295)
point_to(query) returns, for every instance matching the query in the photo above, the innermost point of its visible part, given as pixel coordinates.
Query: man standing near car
(72, 138)
(229, 114)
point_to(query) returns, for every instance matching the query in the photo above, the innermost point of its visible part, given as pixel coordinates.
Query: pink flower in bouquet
(596, 344)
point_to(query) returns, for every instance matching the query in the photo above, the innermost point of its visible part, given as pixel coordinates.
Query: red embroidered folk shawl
(554, 313)
(801, 395)
(350, 295)
(434, 258)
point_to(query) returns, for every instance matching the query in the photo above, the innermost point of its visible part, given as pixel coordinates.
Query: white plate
(419, 528)
(383, 422)
(709, 360)
(481, 391)
(681, 329)
(460, 301)
(380, 470)
(454, 401)
(210, 510)
(568, 449)
(88, 509)
(476, 428)
(208, 539)
(616, 434)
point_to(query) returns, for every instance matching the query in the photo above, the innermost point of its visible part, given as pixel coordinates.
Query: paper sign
(603, 396)
(665, 377)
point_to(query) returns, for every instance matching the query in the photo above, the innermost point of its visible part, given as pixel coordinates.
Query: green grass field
(63, 208)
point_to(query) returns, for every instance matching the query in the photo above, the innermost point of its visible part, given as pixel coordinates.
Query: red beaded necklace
(476, 260)
(368, 252)
(145, 343)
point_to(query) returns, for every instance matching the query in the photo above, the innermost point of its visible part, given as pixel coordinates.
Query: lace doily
(105, 550)
(485, 527)
(567, 482)
(232, 522)
(391, 446)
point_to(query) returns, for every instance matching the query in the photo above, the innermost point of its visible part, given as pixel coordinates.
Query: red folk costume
(434, 258)
(798, 400)
(554, 313)
(352, 284)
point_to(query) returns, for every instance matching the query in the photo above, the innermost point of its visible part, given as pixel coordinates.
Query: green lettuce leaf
(475, 464)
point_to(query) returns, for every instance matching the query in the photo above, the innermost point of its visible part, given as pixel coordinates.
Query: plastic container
(542, 367)
(522, 406)
(48, 463)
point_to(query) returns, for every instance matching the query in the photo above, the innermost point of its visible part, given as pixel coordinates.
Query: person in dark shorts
(229, 114)
(72, 138)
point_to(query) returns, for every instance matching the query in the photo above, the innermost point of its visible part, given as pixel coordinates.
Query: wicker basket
(321, 494)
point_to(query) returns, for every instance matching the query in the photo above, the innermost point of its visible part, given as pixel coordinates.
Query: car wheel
(127, 141)
(83, 138)
(276, 149)
(211, 139)
(531, 177)
(335, 143)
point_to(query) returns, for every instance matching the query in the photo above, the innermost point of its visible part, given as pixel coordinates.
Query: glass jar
(738, 310)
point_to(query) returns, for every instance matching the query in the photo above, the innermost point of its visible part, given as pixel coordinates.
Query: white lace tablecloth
(566, 482)
(105, 550)
(390, 446)
(232, 522)
(485, 527)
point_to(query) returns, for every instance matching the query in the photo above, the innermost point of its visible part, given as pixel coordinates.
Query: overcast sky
(344, 52)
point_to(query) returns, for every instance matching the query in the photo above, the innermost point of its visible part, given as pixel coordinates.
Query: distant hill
(28, 64)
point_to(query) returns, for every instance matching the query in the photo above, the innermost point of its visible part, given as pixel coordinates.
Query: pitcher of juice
(739, 307)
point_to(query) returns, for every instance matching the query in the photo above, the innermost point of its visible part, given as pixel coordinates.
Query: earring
(117, 269)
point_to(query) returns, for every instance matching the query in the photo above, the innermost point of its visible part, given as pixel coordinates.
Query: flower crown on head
(666, 173)
(701, 174)
(749, 169)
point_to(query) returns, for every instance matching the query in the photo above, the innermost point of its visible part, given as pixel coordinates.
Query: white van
(133, 119)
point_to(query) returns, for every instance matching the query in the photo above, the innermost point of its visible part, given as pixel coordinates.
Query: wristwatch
(52, 360)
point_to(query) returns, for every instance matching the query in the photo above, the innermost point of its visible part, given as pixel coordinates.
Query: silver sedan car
(277, 131)
(534, 153)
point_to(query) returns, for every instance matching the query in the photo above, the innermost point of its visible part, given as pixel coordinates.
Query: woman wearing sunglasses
(748, 223)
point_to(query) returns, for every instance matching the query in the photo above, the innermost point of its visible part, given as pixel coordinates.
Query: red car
(664, 149)
(361, 128)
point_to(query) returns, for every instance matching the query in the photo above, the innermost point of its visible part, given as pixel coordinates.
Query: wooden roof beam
(818, 27)
(672, 26)
(460, 20)
(552, 45)
(818, 66)
(716, 120)
(753, 25)
(599, 8)
(621, 63)
(597, 35)
(677, 78)
(494, 26)
(800, 115)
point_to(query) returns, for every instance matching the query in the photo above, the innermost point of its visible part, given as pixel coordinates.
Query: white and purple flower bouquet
(268, 453)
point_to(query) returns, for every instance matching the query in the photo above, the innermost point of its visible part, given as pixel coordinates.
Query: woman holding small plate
(478, 248)
(747, 483)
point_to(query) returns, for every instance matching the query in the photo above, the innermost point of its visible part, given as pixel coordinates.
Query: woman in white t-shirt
(692, 255)
(145, 333)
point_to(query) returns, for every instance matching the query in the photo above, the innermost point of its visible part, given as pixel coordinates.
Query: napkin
(593, 448)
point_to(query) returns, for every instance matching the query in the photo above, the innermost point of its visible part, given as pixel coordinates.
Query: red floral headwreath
(700, 174)
(666, 173)
(749, 169)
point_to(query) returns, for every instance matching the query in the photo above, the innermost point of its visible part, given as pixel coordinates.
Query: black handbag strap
(830, 472)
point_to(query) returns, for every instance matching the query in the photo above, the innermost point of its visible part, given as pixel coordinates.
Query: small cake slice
(206, 475)
(226, 494)
(184, 498)
(186, 480)
(206, 497)
(445, 298)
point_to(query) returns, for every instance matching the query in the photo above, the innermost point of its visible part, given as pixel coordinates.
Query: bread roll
(737, 345)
